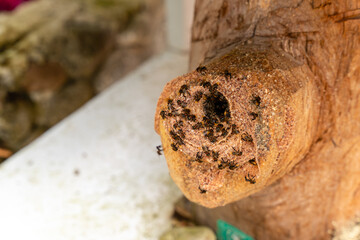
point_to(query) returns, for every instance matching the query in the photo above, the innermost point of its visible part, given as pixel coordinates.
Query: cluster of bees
(215, 122)
(177, 134)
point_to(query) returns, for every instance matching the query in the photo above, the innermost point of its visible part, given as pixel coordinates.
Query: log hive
(228, 125)
(275, 133)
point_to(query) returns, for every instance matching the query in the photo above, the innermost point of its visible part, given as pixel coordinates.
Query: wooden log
(317, 191)
(237, 124)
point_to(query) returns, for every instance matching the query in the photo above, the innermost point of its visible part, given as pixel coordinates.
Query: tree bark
(316, 196)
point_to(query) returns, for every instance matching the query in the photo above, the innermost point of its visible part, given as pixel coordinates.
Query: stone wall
(56, 55)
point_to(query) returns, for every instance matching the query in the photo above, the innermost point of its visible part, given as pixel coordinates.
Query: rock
(79, 36)
(6, 79)
(51, 108)
(50, 52)
(189, 233)
(45, 77)
(16, 119)
(143, 38)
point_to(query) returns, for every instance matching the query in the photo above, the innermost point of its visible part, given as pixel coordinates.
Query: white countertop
(96, 175)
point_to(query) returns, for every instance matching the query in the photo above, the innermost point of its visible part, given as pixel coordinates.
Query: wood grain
(322, 190)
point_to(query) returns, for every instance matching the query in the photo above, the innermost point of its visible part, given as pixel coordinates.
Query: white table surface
(96, 175)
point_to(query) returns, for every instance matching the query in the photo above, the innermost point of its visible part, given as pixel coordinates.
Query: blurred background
(79, 83)
(56, 55)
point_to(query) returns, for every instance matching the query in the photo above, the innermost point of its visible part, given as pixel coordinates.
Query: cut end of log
(232, 127)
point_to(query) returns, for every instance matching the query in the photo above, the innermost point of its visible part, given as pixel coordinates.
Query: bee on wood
(214, 120)
(202, 191)
(163, 114)
(199, 156)
(213, 88)
(206, 151)
(250, 179)
(208, 132)
(210, 135)
(227, 74)
(253, 161)
(198, 95)
(181, 103)
(253, 115)
(234, 129)
(246, 137)
(222, 164)
(186, 111)
(173, 135)
(191, 118)
(201, 69)
(233, 165)
(176, 137)
(205, 84)
(198, 125)
(207, 122)
(224, 132)
(227, 115)
(178, 124)
(180, 141)
(256, 100)
(222, 118)
(236, 152)
(183, 89)
(215, 155)
(171, 105)
(159, 150)
(174, 147)
(212, 139)
(181, 133)
(219, 127)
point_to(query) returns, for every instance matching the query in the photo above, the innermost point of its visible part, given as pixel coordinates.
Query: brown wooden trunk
(317, 196)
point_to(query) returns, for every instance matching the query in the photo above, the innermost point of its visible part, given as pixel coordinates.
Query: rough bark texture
(317, 196)
(237, 124)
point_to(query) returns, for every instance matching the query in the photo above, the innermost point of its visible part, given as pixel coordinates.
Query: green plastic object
(226, 231)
